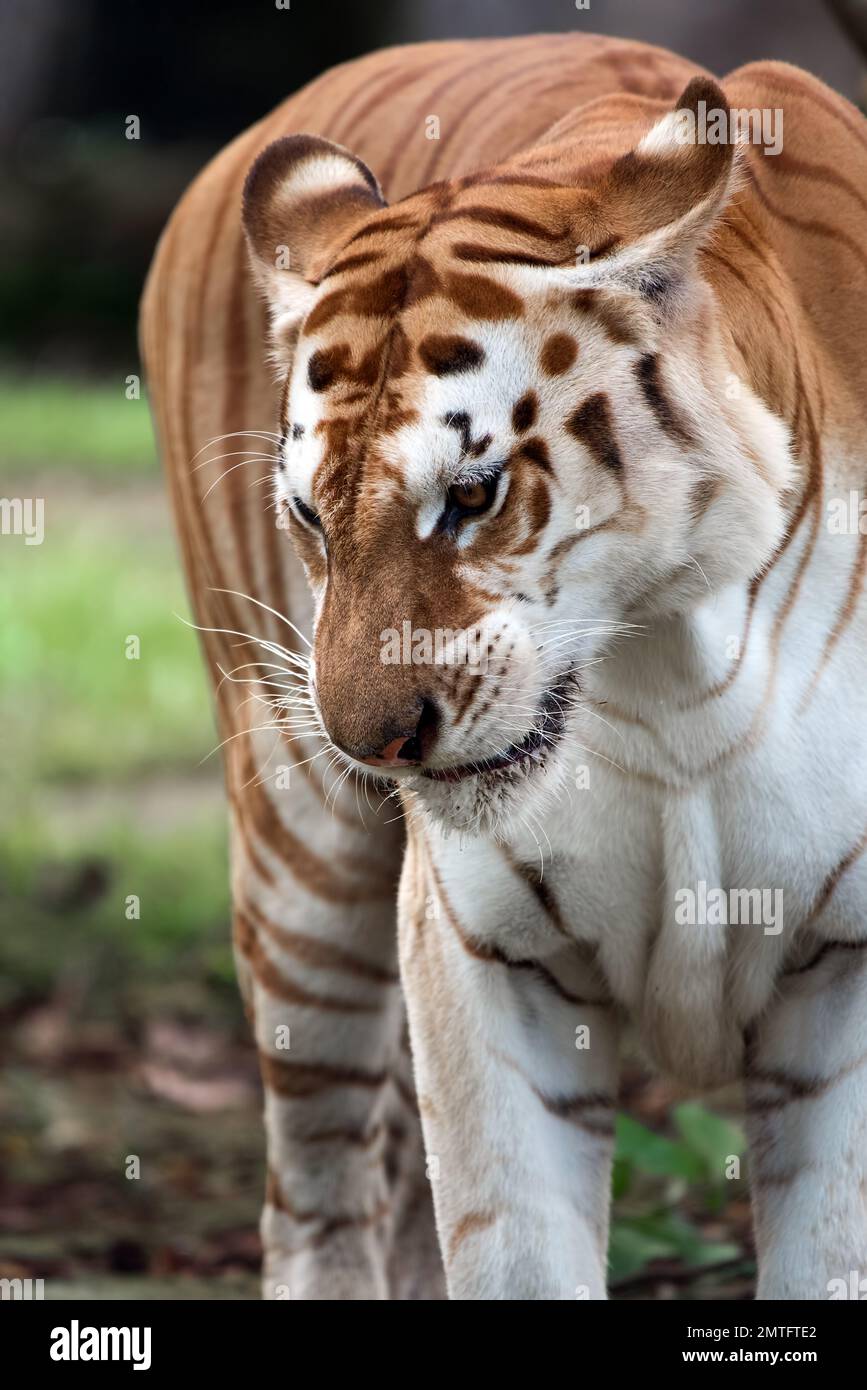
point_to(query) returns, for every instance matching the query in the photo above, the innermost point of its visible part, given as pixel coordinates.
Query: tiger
(475, 340)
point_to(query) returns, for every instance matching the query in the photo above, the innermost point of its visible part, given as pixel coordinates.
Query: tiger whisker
(282, 617)
(274, 648)
(282, 770)
(238, 434)
(237, 453)
(243, 464)
(694, 561)
(240, 733)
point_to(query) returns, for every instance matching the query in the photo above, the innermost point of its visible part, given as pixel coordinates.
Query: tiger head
(507, 433)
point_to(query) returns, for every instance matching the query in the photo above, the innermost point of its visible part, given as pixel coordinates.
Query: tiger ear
(302, 196)
(662, 200)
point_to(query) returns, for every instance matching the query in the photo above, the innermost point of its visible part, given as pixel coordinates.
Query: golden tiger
(555, 611)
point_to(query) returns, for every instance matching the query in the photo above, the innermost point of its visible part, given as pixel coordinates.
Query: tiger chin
(510, 788)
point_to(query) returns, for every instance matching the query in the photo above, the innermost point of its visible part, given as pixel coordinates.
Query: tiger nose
(411, 747)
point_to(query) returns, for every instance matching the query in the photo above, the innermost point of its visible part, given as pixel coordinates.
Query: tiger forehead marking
(395, 304)
(524, 412)
(372, 373)
(558, 353)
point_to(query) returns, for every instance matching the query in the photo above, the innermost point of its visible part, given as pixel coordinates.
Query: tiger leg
(347, 1210)
(517, 1101)
(807, 1126)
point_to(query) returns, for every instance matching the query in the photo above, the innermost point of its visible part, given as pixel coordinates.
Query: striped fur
(617, 468)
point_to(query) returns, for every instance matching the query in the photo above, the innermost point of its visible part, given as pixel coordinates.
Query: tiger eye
(471, 496)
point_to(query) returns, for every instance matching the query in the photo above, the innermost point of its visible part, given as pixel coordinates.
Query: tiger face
(512, 433)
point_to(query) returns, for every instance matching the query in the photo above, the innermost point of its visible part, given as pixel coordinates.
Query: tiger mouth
(532, 751)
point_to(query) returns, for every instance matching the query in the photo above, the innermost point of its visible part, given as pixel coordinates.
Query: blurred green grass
(79, 706)
(69, 888)
(68, 425)
(103, 779)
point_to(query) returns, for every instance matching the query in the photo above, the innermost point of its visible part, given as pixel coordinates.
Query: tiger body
(667, 615)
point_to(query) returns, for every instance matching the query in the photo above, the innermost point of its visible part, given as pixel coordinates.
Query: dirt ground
(80, 1103)
(82, 1100)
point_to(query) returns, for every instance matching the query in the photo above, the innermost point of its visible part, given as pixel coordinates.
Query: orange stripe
(844, 618)
(829, 887)
(318, 953)
(281, 986)
(803, 224)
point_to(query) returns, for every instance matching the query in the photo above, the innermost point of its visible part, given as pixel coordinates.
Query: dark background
(124, 1036)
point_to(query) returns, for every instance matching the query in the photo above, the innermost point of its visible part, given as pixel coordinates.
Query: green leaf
(621, 1178)
(630, 1250)
(661, 1235)
(711, 1139)
(653, 1153)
